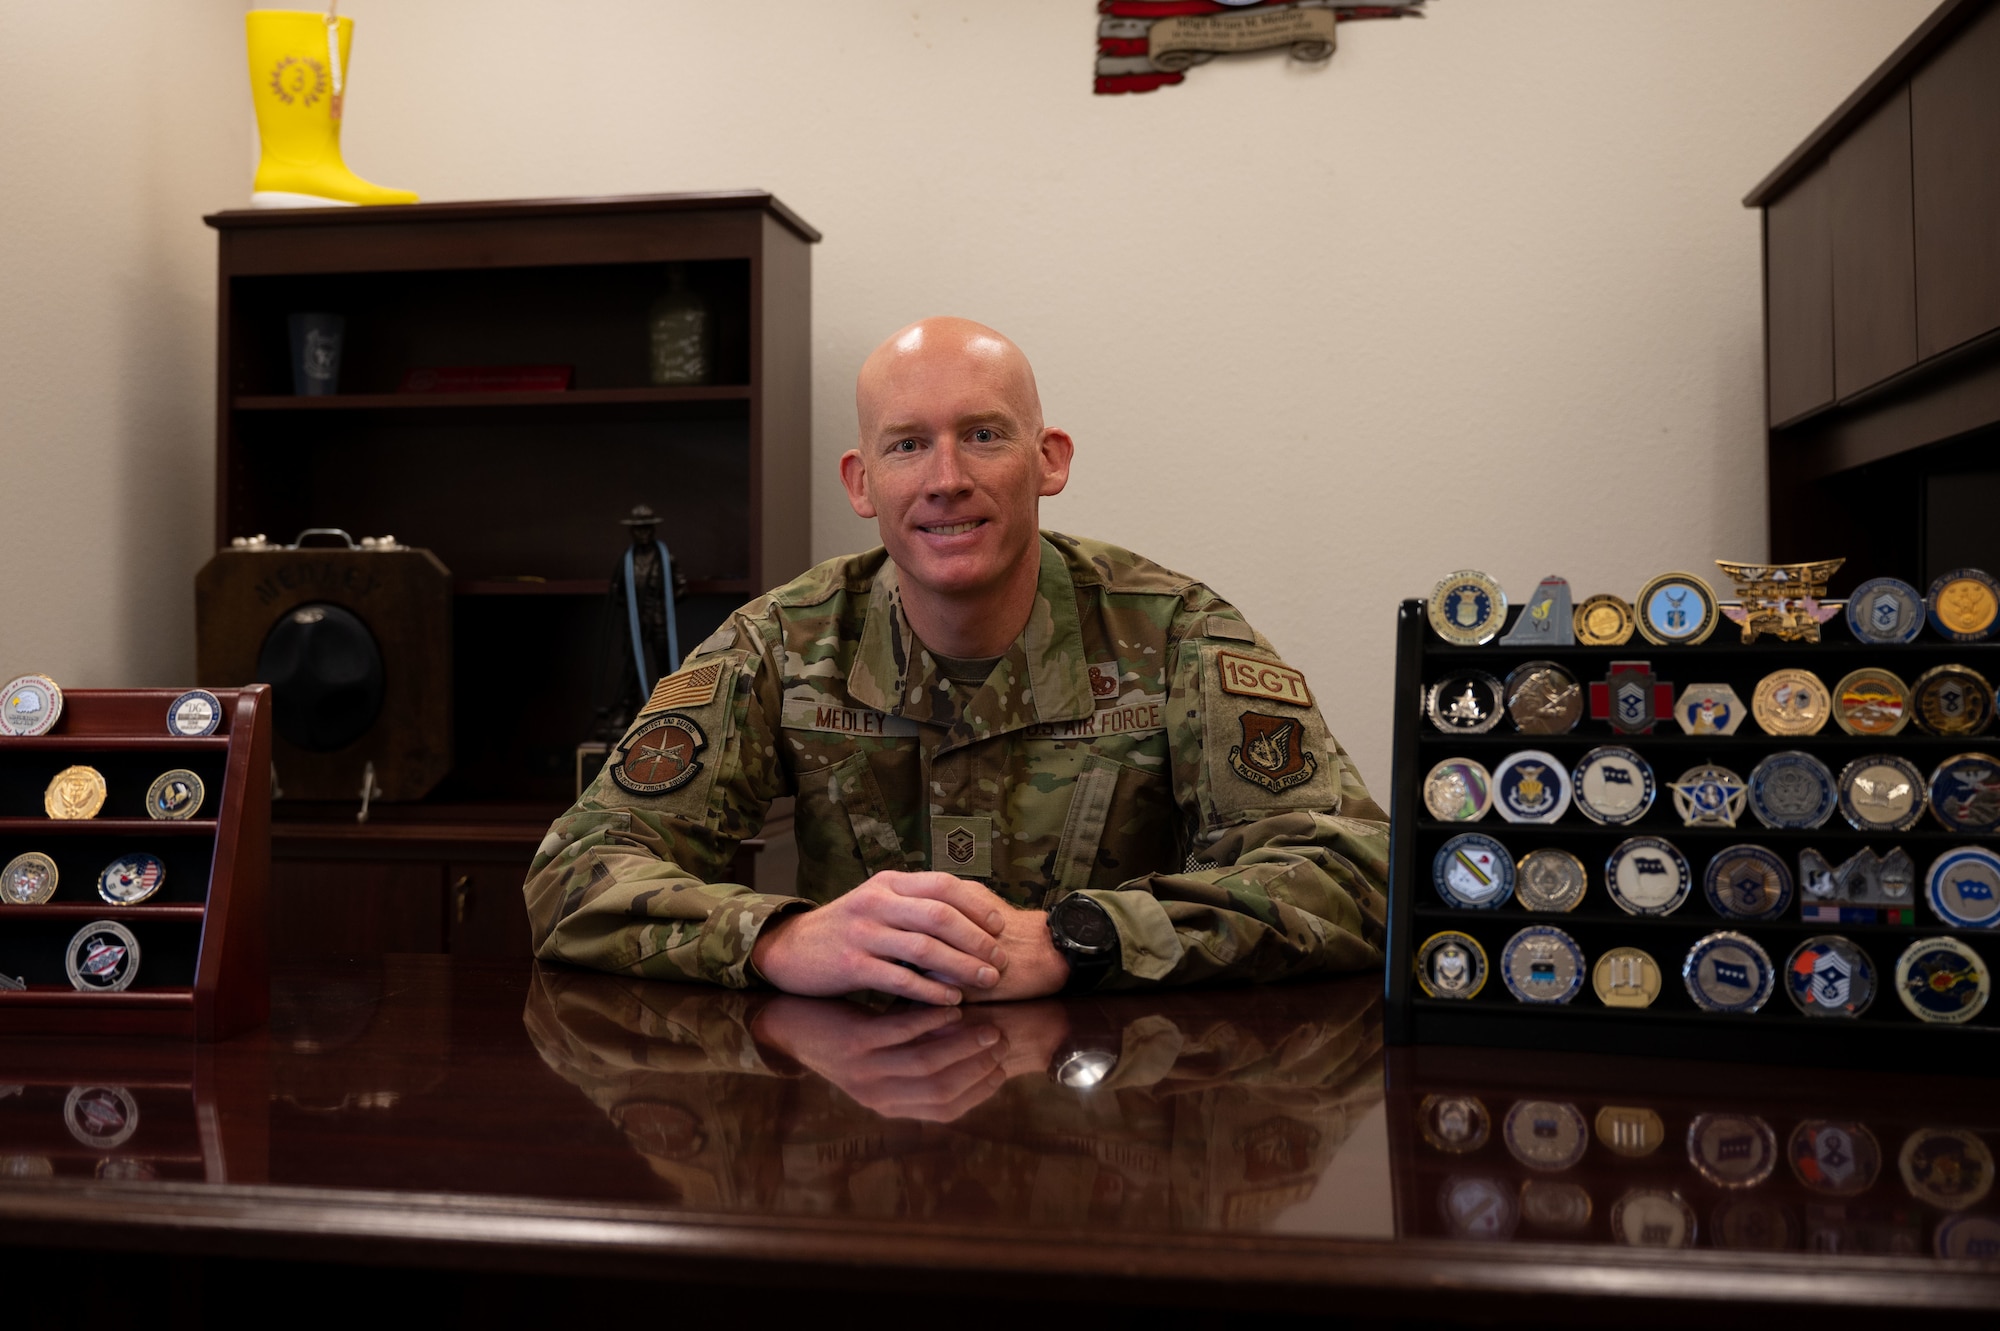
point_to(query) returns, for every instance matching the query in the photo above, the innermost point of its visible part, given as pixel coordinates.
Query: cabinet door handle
(460, 897)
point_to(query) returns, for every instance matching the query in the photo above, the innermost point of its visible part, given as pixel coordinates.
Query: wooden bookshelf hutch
(519, 494)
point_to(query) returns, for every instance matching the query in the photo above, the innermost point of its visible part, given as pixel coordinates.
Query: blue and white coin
(194, 714)
(1747, 883)
(1886, 611)
(1472, 871)
(1791, 790)
(1613, 785)
(1964, 887)
(1542, 964)
(1648, 876)
(1728, 972)
(1531, 787)
(1828, 976)
(1965, 793)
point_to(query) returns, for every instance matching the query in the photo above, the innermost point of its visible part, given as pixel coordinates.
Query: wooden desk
(520, 1141)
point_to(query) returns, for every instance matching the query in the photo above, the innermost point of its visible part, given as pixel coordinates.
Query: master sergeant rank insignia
(1273, 752)
(660, 756)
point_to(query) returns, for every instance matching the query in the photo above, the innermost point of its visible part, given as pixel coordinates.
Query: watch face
(1085, 925)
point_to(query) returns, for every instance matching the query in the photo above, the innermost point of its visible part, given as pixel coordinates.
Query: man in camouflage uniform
(978, 720)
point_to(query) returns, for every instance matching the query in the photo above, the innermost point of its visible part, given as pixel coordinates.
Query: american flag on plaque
(1148, 44)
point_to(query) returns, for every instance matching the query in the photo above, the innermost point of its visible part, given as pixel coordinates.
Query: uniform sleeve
(629, 880)
(1288, 860)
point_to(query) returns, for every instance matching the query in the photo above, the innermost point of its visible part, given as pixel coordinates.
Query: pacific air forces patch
(1273, 752)
(660, 755)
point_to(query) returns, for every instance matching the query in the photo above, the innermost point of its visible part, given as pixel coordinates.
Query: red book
(487, 379)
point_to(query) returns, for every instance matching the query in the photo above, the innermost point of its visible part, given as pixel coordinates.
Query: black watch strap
(1083, 931)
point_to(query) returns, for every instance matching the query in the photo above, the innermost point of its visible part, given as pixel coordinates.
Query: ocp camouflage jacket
(1139, 741)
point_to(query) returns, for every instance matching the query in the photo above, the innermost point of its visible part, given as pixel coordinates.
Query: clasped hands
(923, 936)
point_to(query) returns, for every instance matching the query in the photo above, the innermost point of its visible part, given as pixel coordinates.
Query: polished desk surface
(1227, 1147)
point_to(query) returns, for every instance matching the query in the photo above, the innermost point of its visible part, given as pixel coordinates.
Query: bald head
(941, 349)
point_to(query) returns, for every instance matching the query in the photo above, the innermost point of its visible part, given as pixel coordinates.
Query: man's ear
(1056, 449)
(854, 478)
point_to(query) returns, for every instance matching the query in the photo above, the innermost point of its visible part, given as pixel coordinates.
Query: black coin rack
(1887, 1034)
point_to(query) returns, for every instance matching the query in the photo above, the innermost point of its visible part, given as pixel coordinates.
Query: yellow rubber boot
(298, 77)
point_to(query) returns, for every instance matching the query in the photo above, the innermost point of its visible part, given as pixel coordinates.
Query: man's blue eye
(904, 446)
(983, 436)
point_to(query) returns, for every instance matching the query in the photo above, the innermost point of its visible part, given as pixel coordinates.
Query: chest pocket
(1121, 826)
(844, 830)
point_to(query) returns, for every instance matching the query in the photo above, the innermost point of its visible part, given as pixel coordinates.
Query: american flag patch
(689, 688)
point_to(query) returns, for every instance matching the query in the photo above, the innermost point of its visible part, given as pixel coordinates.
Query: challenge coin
(1477, 1208)
(130, 879)
(1473, 872)
(1951, 700)
(1965, 793)
(1465, 702)
(29, 879)
(31, 705)
(1834, 1158)
(1865, 886)
(1543, 698)
(1625, 977)
(1648, 876)
(1652, 1218)
(1631, 697)
(1542, 964)
(1676, 608)
(1709, 796)
(1549, 1135)
(1451, 965)
(1467, 608)
(1747, 883)
(1632, 1131)
(1603, 621)
(1613, 785)
(103, 957)
(1709, 709)
(1871, 702)
(1753, 1223)
(1886, 611)
(1728, 972)
(1792, 791)
(175, 795)
(1964, 887)
(1828, 976)
(1942, 980)
(194, 714)
(1732, 1150)
(74, 793)
(1545, 620)
(1550, 880)
(101, 1117)
(1964, 605)
(1455, 1124)
(1967, 1237)
(1458, 790)
(1531, 787)
(1884, 793)
(1791, 702)
(1549, 1204)
(1949, 1168)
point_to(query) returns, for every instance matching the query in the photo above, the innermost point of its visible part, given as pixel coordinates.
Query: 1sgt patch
(1248, 677)
(689, 688)
(1273, 752)
(660, 756)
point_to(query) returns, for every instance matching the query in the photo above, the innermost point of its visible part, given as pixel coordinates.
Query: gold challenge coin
(1603, 620)
(76, 793)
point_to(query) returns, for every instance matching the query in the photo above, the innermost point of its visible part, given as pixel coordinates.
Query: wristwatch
(1083, 932)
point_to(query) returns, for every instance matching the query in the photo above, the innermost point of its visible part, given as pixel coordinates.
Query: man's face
(953, 460)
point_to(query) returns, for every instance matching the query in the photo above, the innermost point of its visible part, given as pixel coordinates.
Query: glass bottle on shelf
(681, 332)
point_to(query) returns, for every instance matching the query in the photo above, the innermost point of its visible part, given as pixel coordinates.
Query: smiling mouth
(953, 528)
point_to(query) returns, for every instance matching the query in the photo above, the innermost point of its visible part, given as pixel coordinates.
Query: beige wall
(1478, 292)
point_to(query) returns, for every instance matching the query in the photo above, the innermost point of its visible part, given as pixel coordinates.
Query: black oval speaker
(325, 673)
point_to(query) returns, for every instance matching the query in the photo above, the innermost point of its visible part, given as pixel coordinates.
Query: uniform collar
(1042, 678)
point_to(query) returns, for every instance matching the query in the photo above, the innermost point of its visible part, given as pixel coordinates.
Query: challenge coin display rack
(1886, 1033)
(203, 958)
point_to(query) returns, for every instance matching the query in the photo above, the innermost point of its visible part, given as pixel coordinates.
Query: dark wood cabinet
(519, 494)
(1882, 315)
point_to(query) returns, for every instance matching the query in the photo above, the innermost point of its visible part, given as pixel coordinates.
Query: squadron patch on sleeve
(660, 756)
(689, 688)
(1249, 677)
(1273, 753)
